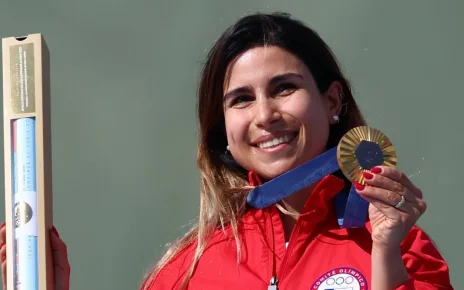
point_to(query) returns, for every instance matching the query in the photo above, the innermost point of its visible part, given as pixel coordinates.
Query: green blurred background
(124, 78)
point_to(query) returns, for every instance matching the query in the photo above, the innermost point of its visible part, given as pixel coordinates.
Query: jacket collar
(254, 179)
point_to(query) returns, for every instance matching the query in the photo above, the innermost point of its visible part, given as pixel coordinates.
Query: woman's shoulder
(418, 238)
(423, 259)
(169, 275)
(172, 273)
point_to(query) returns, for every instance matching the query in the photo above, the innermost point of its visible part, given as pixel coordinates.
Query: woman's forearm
(388, 270)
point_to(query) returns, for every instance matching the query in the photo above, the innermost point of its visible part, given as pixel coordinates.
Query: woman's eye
(240, 101)
(285, 89)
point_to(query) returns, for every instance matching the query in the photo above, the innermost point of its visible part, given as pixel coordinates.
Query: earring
(228, 148)
(336, 118)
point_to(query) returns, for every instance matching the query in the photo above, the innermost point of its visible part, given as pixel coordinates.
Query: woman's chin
(271, 172)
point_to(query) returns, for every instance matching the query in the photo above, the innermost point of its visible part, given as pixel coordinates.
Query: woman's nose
(266, 113)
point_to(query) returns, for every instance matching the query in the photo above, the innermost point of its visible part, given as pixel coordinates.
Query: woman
(272, 97)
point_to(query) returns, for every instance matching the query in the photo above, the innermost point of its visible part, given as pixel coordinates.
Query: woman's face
(270, 99)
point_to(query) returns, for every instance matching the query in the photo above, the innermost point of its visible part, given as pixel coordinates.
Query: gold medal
(363, 148)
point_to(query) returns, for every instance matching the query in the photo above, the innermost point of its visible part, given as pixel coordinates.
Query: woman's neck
(293, 205)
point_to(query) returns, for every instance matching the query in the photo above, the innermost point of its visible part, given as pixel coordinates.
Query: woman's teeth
(275, 142)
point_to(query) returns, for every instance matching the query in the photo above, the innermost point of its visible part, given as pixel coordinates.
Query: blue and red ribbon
(350, 207)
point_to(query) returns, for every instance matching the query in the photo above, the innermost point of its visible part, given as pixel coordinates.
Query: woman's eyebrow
(285, 76)
(236, 91)
(274, 80)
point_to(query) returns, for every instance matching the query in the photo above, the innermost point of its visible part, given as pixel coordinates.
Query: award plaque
(27, 162)
(363, 148)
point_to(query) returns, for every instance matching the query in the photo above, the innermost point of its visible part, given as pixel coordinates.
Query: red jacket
(320, 255)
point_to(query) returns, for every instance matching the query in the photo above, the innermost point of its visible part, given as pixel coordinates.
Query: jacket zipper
(273, 284)
(274, 280)
(291, 246)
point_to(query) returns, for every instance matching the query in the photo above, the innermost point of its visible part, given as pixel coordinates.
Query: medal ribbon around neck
(359, 150)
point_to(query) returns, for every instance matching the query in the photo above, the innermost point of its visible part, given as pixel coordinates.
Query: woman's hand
(390, 218)
(61, 268)
(395, 206)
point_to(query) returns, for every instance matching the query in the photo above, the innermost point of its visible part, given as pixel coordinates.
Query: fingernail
(359, 186)
(1, 245)
(376, 169)
(367, 175)
(3, 224)
(55, 231)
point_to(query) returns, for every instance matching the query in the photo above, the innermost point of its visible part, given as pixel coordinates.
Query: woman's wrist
(388, 269)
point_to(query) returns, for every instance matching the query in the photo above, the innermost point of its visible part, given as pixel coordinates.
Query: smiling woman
(275, 116)
(271, 98)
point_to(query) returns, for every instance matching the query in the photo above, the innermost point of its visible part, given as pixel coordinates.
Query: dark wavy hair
(223, 182)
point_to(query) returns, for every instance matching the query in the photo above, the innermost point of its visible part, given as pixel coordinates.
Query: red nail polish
(3, 224)
(376, 169)
(359, 186)
(55, 231)
(367, 175)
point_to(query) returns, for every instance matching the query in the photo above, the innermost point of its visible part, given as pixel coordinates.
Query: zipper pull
(273, 284)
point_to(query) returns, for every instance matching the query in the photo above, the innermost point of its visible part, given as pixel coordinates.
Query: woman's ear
(333, 99)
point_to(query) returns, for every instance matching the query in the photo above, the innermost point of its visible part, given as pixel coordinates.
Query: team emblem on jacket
(341, 279)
